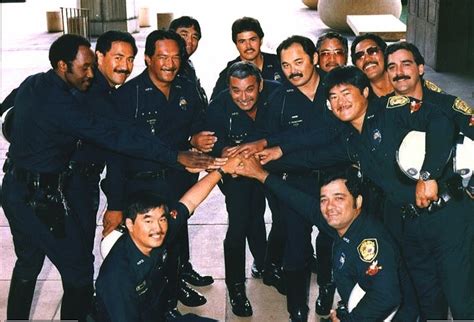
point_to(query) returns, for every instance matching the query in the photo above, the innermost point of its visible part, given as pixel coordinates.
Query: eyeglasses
(335, 52)
(371, 51)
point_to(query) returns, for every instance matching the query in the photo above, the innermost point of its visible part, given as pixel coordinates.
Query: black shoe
(189, 296)
(172, 314)
(299, 315)
(239, 301)
(273, 276)
(189, 275)
(325, 299)
(256, 271)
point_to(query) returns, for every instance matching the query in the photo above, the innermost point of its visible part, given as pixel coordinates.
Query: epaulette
(460, 106)
(397, 101)
(433, 87)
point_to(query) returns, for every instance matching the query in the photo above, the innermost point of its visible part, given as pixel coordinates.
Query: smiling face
(338, 206)
(244, 92)
(148, 231)
(191, 38)
(331, 54)
(117, 63)
(348, 103)
(297, 66)
(163, 66)
(371, 60)
(248, 44)
(404, 73)
(78, 73)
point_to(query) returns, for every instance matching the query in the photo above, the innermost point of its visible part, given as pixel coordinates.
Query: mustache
(368, 63)
(400, 77)
(295, 75)
(122, 71)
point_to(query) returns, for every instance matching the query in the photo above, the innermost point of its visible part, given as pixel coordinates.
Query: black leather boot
(20, 297)
(273, 276)
(189, 275)
(239, 301)
(77, 302)
(297, 294)
(188, 296)
(325, 299)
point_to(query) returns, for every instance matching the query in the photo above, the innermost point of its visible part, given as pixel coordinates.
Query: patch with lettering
(460, 106)
(397, 101)
(432, 86)
(368, 249)
(374, 268)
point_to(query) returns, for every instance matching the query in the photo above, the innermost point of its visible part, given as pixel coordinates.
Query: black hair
(419, 60)
(185, 22)
(156, 35)
(65, 48)
(246, 24)
(104, 42)
(346, 75)
(243, 69)
(378, 41)
(141, 202)
(348, 173)
(306, 43)
(332, 35)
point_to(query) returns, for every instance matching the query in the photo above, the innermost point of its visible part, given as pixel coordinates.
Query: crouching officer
(132, 280)
(234, 115)
(364, 253)
(49, 119)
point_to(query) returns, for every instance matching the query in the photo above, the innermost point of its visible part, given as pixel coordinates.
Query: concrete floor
(24, 51)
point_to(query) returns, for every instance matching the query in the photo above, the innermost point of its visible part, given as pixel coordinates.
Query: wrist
(221, 172)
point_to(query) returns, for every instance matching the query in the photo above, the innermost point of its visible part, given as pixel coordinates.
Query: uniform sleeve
(216, 121)
(378, 277)
(119, 136)
(221, 84)
(305, 205)
(116, 297)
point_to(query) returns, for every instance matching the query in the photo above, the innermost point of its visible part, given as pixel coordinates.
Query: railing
(76, 21)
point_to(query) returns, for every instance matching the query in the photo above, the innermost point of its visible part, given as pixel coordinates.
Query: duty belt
(86, 168)
(54, 181)
(157, 174)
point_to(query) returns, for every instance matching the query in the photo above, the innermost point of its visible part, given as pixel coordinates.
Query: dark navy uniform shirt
(271, 71)
(233, 126)
(364, 255)
(130, 284)
(50, 118)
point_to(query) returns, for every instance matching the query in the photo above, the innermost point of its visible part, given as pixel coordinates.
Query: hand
(112, 218)
(231, 165)
(204, 141)
(252, 168)
(227, 151)
(248, 149)
(333, 316)
(269, 154)
(426, 192)
(196, 160)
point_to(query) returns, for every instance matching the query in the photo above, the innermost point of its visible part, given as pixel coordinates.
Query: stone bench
(386, 26)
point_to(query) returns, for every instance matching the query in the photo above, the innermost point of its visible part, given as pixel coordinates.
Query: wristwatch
(425, 175)
(221, 172)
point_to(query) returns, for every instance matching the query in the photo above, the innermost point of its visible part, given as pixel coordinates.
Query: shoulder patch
(368, 249)
(432, 86)
(397, 101)
(460, 106)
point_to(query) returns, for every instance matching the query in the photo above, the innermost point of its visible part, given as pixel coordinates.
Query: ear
(359, 200)
(62, 66)
(100, 57)
(315, 58)
(365, 92)
(129, 224)
(421, 69)
(260, 87)
(147, 60)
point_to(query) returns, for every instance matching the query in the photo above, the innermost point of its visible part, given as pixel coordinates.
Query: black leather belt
(52, 181)
(86, 168)
(157, 174)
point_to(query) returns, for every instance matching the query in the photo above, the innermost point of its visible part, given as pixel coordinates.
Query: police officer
(364, 252)
(47, 124)
(234, 115)
(190, 30)
(332, 50)
(166, 107)
(132, 281)
(247, 35)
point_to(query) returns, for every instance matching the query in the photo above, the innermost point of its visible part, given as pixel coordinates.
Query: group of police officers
(325, 134)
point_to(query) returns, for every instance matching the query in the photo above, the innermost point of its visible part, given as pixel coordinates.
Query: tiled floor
(24, 52)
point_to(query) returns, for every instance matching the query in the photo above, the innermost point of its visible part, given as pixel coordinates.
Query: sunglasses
(371, 51)
(336, 52)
